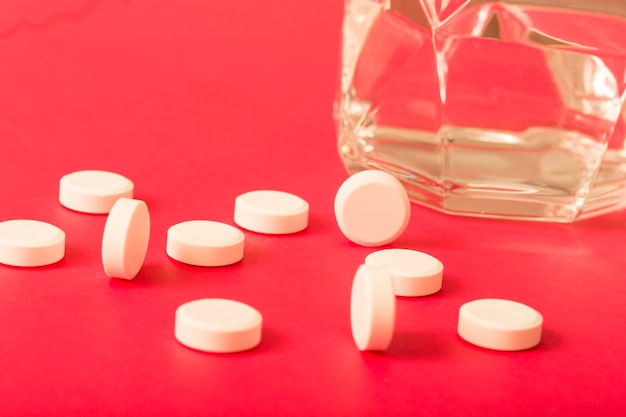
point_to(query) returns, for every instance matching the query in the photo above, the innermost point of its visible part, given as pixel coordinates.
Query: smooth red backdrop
(198, 101)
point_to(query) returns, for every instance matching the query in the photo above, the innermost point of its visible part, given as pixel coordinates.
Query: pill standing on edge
(372, 208)
(414, 273)
(93, 191)
(205, 243)
(30, 243)
(218, 325)
(372, 308)
(125, 238)
(271, 212)
(500, 324)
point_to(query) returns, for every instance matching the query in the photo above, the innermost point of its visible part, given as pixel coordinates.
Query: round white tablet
(372, 308)
(30, 243)
(218, 325)
(125, 238)
(372, 208)
(93, 191)
(205, 243)
(414, 273)
(500, 324)
(271, 212)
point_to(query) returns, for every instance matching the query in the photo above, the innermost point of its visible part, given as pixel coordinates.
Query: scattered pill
(93, 191)
(218, 325)
(125, 238)
(30, 243)
(372, 308)
(414, 273)
(271, 212)
(500, 324)
(372, 208)
(205, 243)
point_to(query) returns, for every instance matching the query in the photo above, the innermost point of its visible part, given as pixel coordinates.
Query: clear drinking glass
(509, 109)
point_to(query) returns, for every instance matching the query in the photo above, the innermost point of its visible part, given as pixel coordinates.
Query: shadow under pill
(550, 340)
(150, 275)
(75, 254)
(270, 341)
(449, 287)
(418, 346)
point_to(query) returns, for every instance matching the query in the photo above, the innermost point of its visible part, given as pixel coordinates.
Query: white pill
(414, 273)
(218, 325)
(271, 212)
(372, 208)
(372, 308)
(205, 243)
(125, 238)
(30, 243)
(500, 324)
(93, 191)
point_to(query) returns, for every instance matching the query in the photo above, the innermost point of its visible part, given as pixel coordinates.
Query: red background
(197, 102)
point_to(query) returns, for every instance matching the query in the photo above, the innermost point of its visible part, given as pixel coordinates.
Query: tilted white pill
(205, 243)
(125, 238)
(218, 325)
(30, 243)
(93, 191)
(271, 212)
(372, 308)
(500, 324)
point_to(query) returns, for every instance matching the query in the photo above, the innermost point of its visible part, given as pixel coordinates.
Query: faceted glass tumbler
(507, 109)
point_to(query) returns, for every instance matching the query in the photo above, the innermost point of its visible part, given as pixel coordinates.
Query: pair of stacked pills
(372, 209)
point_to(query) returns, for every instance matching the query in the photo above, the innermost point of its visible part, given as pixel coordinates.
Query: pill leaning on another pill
(125, 238)
(372, 208)
(30, 243)
(414, 273)
(218, 325)
(93, 191)
(271, 212)
(205, 243)
(500, 324)
(372, 308)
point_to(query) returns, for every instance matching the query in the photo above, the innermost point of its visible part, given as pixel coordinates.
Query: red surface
(198, 101)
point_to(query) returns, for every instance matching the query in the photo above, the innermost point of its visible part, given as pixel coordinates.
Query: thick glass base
(466, 177)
